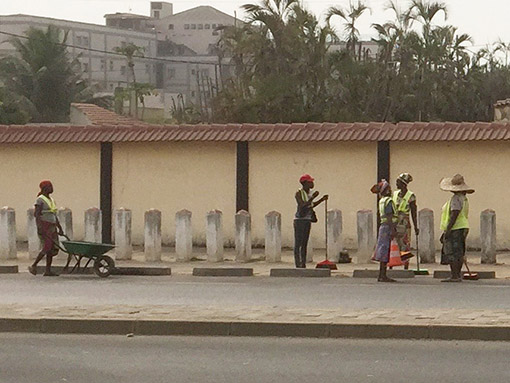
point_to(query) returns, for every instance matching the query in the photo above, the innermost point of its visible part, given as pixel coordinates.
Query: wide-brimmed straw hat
(455, 184)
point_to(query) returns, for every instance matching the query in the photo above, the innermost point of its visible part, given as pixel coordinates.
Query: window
(207, 26)
(171, 72)
(111, 86)
(215, 33)
(156, 14)
(103, 64)
(200, 26)
(78, 40)
(205, 72)
(170, 27)
(214, 26)
(193, 93)
(193, 26)
(123, 70)
(147, 68)
(85, 41)
(111, 66)
(193, 72)
(85, 67)
(186, 26)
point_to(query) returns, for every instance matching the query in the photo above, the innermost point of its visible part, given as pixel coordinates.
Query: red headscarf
(44, 184)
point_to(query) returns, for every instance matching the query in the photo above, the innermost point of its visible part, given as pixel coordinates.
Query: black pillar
(383, 168)
(106, 191)
(242, 176)
(383, 160)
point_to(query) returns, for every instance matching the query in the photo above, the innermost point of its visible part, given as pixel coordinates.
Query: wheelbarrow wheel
(103, 266)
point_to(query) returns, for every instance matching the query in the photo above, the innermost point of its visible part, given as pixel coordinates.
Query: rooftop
(106, 126)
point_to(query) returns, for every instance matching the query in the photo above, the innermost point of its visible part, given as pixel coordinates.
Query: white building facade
(93, 45)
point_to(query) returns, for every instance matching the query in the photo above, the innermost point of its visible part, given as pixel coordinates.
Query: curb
(300, 273)
(9, 269)
(252, 329)
(373, 274)
(442, 274)
(222, 272)
(131, 270)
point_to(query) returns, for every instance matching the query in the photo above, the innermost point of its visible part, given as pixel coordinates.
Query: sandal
(32, 270)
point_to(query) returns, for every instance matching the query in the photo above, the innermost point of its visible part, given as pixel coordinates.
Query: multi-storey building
(93, 45)
(178, 49)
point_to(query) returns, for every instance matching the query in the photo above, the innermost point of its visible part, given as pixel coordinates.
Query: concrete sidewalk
(261, 267)
(258, 321)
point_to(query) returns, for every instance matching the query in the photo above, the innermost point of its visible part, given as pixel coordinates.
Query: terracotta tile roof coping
(117, 130)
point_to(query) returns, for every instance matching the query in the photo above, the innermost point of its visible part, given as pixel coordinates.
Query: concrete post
(365, 223)
(122, 229)
(93, 225)
(34, 243)
(65, 217)
(488, 236)
(243, 236)
(214, 236)
(8, 233)
(335, 244)
(183, 235)
(426, 244)
(152, 242)
(273, 247)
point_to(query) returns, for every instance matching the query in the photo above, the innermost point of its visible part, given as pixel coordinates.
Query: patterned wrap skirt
(454, 246)
(49, 238)
(382, 250)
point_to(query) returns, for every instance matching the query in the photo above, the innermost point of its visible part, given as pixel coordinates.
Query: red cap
(306, 177)
(44, 184)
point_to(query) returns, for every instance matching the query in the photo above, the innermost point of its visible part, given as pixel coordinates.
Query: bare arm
(453, 218)
(324, 198)
(38, 214)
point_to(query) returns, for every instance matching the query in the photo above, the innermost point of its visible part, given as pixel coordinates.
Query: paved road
(347, 293)
(109, 359)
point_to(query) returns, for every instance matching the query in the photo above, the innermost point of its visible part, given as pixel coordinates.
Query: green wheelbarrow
(93, 252)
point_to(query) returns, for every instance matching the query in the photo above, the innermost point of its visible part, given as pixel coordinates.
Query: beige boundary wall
(344, 170)
(74, 170)
(484, 164)
(171, 176)
(201, 176)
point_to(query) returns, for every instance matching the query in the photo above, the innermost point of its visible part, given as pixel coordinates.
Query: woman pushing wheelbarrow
(48, 228)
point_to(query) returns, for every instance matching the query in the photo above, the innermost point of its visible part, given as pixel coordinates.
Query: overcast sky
(486, 20)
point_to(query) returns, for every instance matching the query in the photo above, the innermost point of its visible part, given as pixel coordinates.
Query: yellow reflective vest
(383, 203)
(403, 207)
(462, 219)
(51, 203)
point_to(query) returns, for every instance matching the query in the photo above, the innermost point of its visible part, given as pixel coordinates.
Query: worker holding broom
(406, 209)
(455, 225)
(48, 228)
(304, 218)
(387, 213)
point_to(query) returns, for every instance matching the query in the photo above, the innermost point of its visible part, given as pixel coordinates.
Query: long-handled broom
(326, 264)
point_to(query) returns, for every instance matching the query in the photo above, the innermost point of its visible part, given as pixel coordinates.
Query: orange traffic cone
(395, 259)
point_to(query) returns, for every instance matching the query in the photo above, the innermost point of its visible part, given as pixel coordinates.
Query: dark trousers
(301, 235)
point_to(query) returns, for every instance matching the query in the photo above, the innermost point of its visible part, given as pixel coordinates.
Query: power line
(148, 58)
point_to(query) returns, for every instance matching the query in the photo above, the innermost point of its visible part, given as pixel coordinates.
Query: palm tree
(42, 73)
(131, 51)
(350, 15)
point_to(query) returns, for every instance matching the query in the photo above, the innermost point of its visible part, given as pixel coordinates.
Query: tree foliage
(425, 69)
(42, 73)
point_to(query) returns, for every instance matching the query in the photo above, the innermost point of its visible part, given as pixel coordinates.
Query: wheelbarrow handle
(65, 236)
